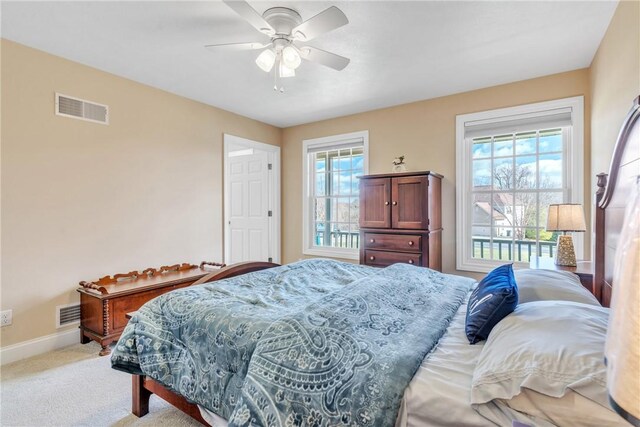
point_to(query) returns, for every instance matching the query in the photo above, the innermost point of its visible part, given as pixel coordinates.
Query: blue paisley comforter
(314, 343)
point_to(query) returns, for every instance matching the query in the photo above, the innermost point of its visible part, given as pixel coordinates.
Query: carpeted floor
(75, 387)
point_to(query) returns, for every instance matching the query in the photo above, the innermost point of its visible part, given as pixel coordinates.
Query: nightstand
(584, 269)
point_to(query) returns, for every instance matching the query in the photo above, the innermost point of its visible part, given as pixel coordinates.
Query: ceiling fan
(289, 35)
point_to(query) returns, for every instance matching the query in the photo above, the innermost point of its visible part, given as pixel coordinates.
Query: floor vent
(67, 314)
(76, 108)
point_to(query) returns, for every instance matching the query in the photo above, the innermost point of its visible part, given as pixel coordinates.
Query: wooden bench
(104, 304)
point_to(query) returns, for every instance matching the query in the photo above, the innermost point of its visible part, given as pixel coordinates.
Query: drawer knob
(410, 261)
(386, 203)
(395, 203)
(410, 242)
(372, 241)
(372, 257)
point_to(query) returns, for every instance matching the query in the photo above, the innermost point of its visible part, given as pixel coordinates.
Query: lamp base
(566, 255)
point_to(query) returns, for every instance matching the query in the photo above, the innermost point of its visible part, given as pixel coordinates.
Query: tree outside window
(515, 178)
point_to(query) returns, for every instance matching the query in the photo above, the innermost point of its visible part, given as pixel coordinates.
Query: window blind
(560, 117)
(349, 143)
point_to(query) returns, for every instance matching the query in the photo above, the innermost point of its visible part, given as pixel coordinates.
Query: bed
(326, 343)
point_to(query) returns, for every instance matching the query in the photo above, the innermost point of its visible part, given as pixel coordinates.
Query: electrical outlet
(6, 318)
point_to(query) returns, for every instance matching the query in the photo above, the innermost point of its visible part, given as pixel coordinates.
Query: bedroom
(76, 195)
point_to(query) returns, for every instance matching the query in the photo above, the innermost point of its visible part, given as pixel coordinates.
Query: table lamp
(622, 350)
(566, 217)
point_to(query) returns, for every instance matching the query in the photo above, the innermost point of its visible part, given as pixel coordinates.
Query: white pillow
(550, 347)
(543, 285)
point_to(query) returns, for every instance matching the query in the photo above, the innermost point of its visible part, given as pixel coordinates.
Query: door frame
(274, 191)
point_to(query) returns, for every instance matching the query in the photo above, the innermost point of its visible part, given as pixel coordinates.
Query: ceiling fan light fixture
(285, 27)
(291, 57)
(285, 71)
(266, 60)
(305, 51)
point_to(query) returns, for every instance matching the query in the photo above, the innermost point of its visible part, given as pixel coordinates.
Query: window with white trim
(511, 164)
(331, 205)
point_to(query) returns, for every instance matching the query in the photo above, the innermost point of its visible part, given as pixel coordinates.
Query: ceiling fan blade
(228, 47)
(243, 9)
(325, 21)
(323, 57)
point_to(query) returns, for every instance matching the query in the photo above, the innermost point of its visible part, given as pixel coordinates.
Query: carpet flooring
(75, 387)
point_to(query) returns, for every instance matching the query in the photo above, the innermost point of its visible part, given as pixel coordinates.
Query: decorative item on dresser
(399, 165)
(401, 219)
(105, 302)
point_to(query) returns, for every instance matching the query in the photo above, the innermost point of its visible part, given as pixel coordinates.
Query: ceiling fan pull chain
(275, 77)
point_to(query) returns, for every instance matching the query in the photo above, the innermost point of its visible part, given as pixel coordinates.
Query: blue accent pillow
(494, 298)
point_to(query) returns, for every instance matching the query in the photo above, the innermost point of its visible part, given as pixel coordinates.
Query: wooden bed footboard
(142, 387)
(235, 270)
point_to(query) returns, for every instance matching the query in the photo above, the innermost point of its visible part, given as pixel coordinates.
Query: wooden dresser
(105, 303)
(401, 219)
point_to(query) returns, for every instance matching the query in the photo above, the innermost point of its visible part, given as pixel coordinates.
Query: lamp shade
(291, 57)
(622, 350)
(266, 60)
(566, 217)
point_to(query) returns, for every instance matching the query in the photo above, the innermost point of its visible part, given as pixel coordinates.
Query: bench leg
(139, 396)
(105, 350)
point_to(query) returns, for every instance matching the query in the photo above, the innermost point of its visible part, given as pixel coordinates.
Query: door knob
(395, 203)
(410, 261)
(372, 240)
(410, 243)
(372, 258)
(386, 203)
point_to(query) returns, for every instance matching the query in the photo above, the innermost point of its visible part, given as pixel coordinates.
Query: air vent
(67, 314)
(76, 108)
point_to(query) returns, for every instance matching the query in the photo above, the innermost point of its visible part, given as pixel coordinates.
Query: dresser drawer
(384, 258)
(393, 242)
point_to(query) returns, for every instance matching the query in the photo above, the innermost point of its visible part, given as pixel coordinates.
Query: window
(331, 166)
(511, 164)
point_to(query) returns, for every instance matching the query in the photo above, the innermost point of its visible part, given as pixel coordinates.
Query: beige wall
(81, 200)
(423, 131)
(615, 81)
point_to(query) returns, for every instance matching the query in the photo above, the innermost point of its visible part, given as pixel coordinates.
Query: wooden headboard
(614, 190)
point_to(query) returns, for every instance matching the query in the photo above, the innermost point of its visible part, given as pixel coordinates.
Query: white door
(250, 201)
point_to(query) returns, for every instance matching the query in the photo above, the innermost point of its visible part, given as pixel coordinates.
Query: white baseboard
(24, 349)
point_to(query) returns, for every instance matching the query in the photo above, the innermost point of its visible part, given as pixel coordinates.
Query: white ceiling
(400, 51)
